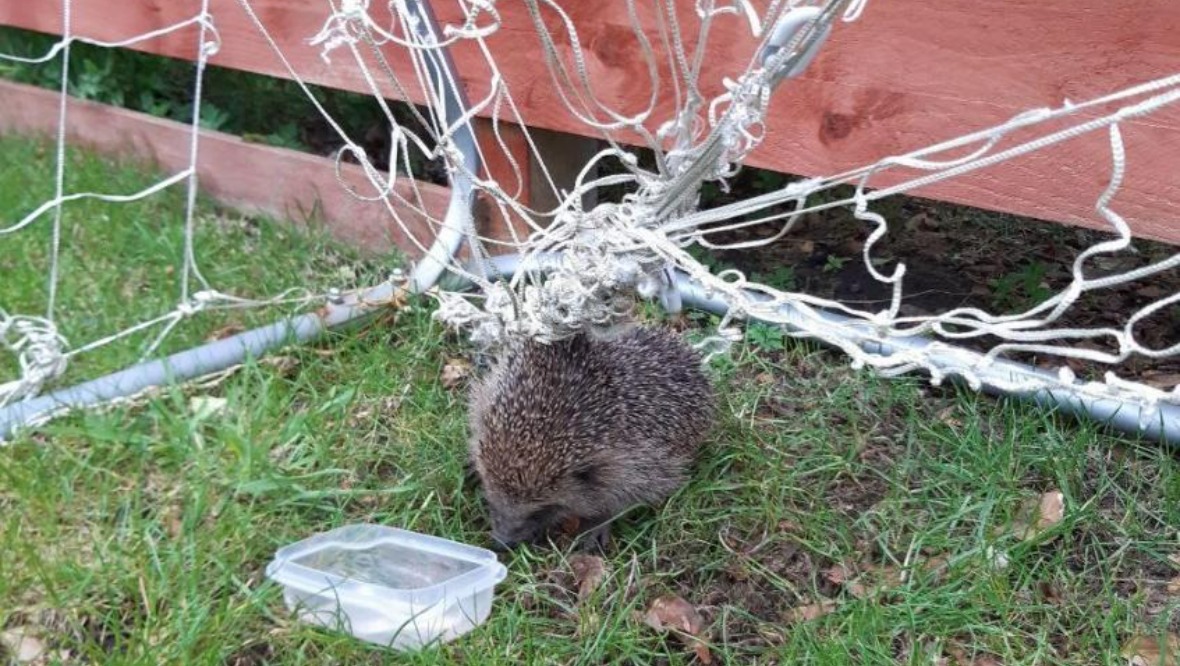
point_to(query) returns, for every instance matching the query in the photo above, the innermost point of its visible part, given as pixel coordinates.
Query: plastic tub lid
(368, 561)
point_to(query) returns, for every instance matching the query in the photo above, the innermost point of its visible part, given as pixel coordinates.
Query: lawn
(836, 518)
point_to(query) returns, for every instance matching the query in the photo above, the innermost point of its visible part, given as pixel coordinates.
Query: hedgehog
(584, 429)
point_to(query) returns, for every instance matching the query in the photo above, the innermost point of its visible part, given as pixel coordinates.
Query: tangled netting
(585, 265)
(41, 350)
(579, 266)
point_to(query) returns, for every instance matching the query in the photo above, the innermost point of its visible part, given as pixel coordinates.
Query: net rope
(42, 351)
(588, 264)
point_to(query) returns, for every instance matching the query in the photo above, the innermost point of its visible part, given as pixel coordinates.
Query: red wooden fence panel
(909, 73)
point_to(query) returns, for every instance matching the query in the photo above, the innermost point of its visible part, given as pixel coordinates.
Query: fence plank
(908, 74)
(252, 177)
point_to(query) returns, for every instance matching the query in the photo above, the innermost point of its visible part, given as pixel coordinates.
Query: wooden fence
(907, 74)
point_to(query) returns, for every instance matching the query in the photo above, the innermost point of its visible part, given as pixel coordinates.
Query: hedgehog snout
(513, 526)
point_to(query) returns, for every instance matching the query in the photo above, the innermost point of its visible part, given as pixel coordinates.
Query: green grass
(139, 535)
(121, 263)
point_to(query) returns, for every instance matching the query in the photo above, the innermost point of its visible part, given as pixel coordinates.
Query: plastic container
(388, 586)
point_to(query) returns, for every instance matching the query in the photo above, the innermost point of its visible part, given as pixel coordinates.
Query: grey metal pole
(1161, 423)
(231, 351)
(196, 362)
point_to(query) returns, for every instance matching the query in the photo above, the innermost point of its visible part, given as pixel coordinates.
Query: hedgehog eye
(544, 514)
(588, 475)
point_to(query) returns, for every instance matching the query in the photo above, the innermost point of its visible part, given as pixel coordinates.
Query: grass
(121, 263)
(139, 535)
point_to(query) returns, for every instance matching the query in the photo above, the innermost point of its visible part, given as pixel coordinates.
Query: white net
(577, 265)
(585, 264)
(37, 339)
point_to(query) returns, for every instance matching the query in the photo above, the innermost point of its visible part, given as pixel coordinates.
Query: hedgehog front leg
(470, 475)
(597, 538)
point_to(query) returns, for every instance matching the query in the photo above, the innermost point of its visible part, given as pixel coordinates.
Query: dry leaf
(807, 247)
(454, 372)
(838, 574)
(887, 576)
(811, 611)
(1174, 585)
(936, 566)
(23, 646)
(1151, 651)
(671, 613)
(1165, 382)
(284, 364)
(947, 416)
(1050, 592)
(1050, 510)
(1152, 291)
(876, 579)
(789, 527)
(224, 332)
(842, 574)
(173, 522)
(1034, 518)
(589, 572)
(959, 655)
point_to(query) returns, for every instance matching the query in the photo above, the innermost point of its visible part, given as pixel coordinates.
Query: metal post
(1160, 422)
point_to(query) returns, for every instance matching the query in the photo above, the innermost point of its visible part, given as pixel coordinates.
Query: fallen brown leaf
(961, 658)
(1034, 517)
(1050, 592)
(842, 574)
(789, 527)
(1052, 509)
(1174, 585)
(887, 576)
(838, 574)
(811, 611)
(936, 566)
(1151, 651)
(589, 572)
(947, 416)
(672, 613)
(173, 522)
(1165, 382)
(284, 364)
(224, 332)
(1152, 291)
(874, 580)
(454, 372)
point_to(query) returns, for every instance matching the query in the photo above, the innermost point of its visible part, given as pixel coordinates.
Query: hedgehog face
(514, 523)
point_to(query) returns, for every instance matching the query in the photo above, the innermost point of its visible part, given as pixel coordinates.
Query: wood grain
(282, 183)
(909, 73)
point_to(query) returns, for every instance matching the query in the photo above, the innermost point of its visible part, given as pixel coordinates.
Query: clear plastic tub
(388, 586)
